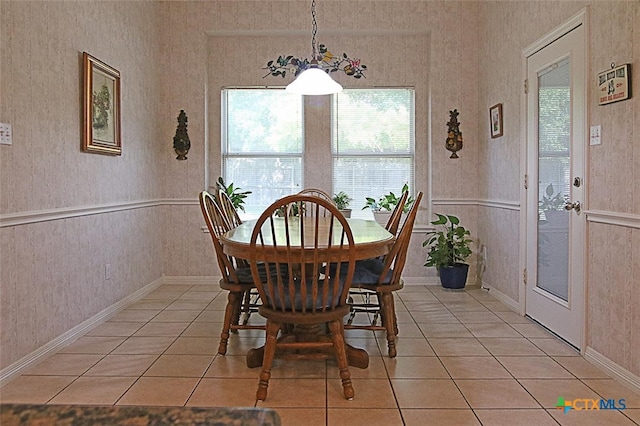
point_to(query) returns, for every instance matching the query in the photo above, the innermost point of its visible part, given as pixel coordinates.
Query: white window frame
(409, 154)
(225, 153)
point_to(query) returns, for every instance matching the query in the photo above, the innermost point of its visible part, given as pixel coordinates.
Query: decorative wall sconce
(454, 135)
(181, 143)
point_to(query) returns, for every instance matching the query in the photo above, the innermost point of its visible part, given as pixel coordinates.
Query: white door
(556, 109)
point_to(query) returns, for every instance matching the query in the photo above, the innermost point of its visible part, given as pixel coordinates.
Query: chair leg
(389, 315)
(233, 302)
(237, 313)
(245, 308)
(337, 336)
(395, 317)
(267, 362)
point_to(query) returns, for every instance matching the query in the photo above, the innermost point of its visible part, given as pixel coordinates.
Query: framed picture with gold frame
(101, 107)
(495, 120)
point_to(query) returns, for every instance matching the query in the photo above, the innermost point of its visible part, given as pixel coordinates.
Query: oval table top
(371, 239)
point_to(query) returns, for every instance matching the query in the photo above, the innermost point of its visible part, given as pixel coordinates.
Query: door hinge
(524, 276)
(526, 86)
(526, 181)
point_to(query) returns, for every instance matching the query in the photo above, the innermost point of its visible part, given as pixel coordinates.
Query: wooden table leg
(254, 357)
(357, 357)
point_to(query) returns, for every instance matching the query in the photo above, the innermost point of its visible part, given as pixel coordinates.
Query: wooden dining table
(371, 240)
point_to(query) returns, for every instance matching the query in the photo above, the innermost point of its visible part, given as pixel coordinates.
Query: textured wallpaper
(53, 273)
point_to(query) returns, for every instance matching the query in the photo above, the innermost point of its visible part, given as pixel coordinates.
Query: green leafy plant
(342, 200)
(293, 209)
(389, 201)
(235, 194)
(448, 243)
(551, 200)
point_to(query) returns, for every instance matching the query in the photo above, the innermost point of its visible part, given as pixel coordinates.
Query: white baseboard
(18, 367)
(196, 280)
(512, 304)
(408, 281)
(613, 369)
(421, 281)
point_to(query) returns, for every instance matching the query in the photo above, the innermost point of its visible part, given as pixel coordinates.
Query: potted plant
(551, 203)
(342, 202)
(383, 206)
(237, 197)
(448, 249)
(293, 210)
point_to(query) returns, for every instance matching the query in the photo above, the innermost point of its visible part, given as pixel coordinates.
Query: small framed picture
(614, 85)
(101, 107)
(495, 120)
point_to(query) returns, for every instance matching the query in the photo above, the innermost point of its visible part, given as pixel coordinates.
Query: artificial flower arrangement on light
(326, 61)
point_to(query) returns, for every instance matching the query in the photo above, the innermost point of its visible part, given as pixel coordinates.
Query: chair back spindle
(396, 215)
(227, 207)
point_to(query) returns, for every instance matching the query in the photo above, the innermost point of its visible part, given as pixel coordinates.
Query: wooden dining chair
(317, 193)
(364, 296)
(304, 209)
(382, 277)
(396, 215)
(236, 274)
(227, 207)
(309, 296)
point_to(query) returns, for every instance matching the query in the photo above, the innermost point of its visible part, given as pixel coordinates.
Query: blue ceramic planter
(455, 276)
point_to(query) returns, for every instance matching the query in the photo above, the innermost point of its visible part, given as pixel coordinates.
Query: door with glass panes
(556, 106)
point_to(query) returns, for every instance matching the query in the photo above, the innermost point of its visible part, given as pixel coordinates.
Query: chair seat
(367, 272)
(307, 318)
(309, 299)
(245, 277)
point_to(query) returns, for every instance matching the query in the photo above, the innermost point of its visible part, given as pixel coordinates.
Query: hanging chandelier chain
(315, 29)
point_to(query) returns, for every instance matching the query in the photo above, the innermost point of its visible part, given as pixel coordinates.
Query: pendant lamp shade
(314, 81)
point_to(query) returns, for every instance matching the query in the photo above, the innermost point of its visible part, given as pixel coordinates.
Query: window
(373, 142)
(371, 139)
(262, 144)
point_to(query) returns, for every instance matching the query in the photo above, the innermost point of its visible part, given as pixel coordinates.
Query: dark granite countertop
(78, 415)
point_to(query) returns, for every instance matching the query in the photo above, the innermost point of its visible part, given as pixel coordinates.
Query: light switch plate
(595, 135)
(5, 134)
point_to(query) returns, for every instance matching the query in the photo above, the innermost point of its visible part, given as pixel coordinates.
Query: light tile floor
(463, 359)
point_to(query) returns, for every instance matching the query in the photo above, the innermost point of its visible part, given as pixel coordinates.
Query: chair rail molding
(24, 218)
(626, 220)
(498, 204)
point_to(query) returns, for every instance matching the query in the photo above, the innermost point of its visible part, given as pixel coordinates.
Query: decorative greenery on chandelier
(325, 59)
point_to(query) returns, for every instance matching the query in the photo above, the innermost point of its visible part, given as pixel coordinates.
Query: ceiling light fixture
(312, 76)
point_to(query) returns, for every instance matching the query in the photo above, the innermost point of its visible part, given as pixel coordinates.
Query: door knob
(573, 206)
